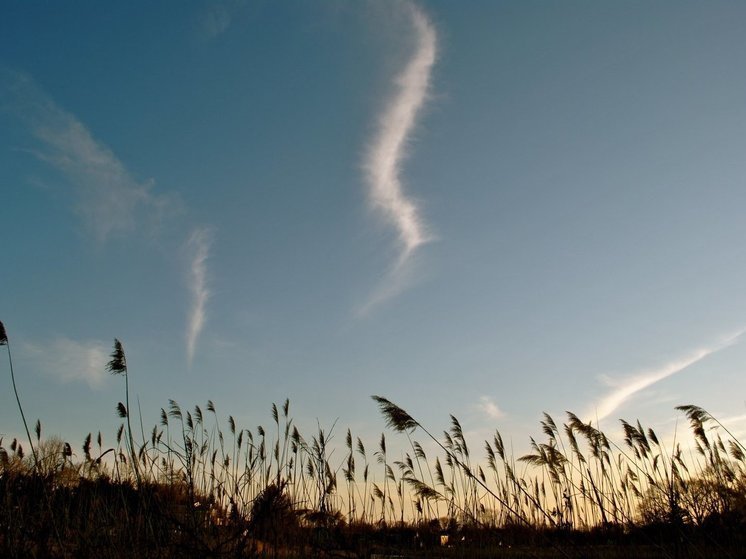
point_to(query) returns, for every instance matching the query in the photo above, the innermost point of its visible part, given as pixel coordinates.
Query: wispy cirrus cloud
(69, 360)
(625, 388)
(109, 199)
(199, 246)
(389, 148)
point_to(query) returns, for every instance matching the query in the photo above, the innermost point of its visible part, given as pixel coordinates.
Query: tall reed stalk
(5, 342)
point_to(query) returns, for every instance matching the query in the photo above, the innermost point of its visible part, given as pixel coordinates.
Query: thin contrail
(632, 385)
(388, 149)
(199, 243)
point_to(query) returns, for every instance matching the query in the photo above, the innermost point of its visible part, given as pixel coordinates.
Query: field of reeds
(199, 485)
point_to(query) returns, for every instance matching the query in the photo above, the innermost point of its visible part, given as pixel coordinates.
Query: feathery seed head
(121, 410)
(118, 363)
(396, 418)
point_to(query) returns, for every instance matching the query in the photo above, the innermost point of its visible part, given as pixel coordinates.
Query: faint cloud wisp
(70, 360)
(388, 149)
(110, 200)
(489, 408)
(219, 16)
(199, 244)
(626, 388)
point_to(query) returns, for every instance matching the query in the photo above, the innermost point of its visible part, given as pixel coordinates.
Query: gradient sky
(490, 209)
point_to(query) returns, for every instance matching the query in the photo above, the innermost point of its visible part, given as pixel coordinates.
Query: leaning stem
(6, 342)
(20, 408)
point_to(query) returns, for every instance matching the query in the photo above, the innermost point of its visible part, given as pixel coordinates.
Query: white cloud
(110, 201)
(625, 388)
(489, 408)
(388, 149)
(199, 245)
(69, 360)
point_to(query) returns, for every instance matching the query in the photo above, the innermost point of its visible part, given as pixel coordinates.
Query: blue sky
(490, 209)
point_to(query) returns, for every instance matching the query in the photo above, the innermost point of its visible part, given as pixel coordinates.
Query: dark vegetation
(196, 487)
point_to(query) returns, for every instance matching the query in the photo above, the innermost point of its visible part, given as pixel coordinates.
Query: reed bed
(197, 484)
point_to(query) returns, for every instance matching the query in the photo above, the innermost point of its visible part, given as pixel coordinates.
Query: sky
(486, 209)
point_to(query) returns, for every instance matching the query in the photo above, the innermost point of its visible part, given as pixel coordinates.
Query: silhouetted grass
(200, 486)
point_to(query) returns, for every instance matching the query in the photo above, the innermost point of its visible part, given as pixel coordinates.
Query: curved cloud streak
(629, 387)
(383, 160)
(199, 244)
